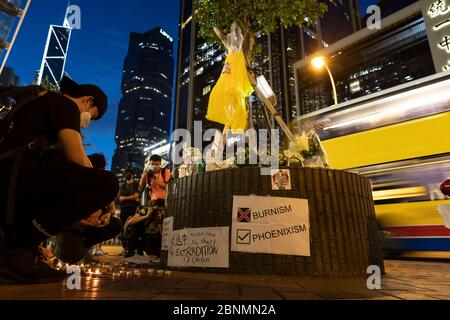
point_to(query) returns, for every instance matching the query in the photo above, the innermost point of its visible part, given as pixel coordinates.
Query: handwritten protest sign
(166, 232)
(203, 247)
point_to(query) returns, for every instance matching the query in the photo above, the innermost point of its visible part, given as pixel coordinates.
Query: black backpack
(12, 99)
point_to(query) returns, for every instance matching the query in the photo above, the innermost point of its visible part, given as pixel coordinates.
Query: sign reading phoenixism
(270, 225)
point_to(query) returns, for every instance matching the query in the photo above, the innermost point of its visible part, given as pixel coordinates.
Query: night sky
(96, 52)
(363, 4)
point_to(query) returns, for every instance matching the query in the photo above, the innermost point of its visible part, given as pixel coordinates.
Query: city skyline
(96, 52)
(102, 64)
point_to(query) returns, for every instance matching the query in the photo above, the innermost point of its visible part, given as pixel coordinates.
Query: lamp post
(319, 63)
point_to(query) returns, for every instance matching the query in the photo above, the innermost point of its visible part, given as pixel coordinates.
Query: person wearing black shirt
(56, 187)
(72, 245)
(128, 196)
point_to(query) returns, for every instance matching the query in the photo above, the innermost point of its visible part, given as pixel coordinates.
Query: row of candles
(138, 273)
(123, 271)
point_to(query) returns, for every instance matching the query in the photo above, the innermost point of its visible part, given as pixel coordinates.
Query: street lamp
(319, 63)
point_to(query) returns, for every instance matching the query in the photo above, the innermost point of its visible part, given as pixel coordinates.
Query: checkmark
(244, 236)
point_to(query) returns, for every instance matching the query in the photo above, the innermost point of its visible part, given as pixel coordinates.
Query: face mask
(85, 119)
(156, 169)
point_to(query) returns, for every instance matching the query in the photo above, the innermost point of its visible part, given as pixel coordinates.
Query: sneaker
(100, 252)
(89, 258)
(24, 266)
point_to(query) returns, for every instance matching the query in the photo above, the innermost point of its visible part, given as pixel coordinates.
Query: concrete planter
(344, 235)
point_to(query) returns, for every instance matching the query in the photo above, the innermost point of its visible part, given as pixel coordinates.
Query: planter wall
(344, 235)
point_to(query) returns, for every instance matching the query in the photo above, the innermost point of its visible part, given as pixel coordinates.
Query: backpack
(12, 99)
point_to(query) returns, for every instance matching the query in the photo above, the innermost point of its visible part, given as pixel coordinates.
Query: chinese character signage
(436, 14)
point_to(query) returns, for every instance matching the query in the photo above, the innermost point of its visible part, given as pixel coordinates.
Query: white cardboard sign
(202, 247)
(166, 232)
(270, 225)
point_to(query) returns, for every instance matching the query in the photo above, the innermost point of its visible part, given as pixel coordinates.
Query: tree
(47, 84)
(215, 17)
(253, 16)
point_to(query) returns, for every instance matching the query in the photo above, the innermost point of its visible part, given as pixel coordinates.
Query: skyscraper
(55, 53)
(144, 112)
(364, 63)
(200, 64)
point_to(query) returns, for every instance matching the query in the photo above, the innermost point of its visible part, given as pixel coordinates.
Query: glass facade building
(8, 17)
(55, 54)
(395, 55)
(144, 111)
(200, 64)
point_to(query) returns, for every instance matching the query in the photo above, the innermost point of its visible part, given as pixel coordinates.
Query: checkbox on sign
(244, 236)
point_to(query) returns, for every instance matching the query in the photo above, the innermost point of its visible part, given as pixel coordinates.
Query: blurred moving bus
(400, 139)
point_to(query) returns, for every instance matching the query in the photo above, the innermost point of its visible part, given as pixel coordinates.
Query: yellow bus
(400, 139)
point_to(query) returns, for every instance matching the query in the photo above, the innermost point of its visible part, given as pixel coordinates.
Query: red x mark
(244, 214)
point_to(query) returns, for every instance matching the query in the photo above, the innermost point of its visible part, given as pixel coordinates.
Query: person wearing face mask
(56, 185)
(156, 178)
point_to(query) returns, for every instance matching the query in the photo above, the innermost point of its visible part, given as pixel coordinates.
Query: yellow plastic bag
(227, 100)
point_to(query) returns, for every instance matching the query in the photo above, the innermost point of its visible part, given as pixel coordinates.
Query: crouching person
(142, 232)
(73, 245)
(46, 190)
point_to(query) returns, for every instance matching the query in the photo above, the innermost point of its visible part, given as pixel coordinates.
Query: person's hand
(93, 220)
(112, 207)
(105, 219)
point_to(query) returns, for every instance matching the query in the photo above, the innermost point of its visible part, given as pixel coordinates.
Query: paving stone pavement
(404, 280)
